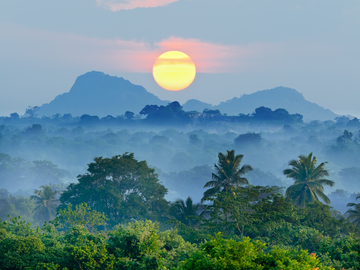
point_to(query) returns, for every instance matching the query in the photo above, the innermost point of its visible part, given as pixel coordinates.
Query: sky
(239, 47)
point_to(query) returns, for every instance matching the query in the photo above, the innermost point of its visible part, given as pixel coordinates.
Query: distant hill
(279, 97)
(196, 105)
(96, 93)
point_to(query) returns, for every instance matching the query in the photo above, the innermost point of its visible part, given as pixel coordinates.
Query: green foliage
(141, 246)
(353, 214)
(227, 176)
(19, 252)
(86, 251)
(120, 187)
(174, 248)
(341, 252)
(16, 172)
(319, 216)
(192, 235)
(15, 206)
(231, 211)
(81, 216)
(228, 254)
(46, 203)
(187, 211)
(308, 181)
(245, 211)
(136, 246)
(289, 236)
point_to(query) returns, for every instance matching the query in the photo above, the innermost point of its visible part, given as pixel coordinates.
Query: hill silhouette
(196, 105)
(96, 93)
(279, 97)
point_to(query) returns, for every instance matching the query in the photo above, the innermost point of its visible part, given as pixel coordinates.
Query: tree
(46, 203)
(169, 114)
(81, 216)
(228, 174)
(31, 111)
(185, 211)
(308, 181)
(35, 129)
(120, 187)
(353, 215)
(344, 139)
(129, 115)
(320, 217)
(208, 111)
(248, 139)
(228, 254)
(14, 116)
(194, 139)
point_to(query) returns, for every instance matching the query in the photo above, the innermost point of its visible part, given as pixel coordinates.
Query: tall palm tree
(228, 174)
(183, 210)
(46, 201)
(353, 215)
(308, 181)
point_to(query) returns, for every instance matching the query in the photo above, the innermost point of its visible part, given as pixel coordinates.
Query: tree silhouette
(309, 180)
(31, 111)
(129, 115)
(227, 174)
(353, 215)
(185, 210)
(46, 203)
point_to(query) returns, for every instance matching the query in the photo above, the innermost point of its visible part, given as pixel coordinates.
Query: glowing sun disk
(174, 71)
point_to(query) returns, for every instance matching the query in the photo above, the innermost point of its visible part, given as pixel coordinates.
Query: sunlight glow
(174, 71)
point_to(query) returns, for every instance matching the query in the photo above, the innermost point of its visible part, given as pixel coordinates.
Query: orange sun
(174, 71)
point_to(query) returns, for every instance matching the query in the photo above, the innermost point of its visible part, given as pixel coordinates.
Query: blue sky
(239, 47)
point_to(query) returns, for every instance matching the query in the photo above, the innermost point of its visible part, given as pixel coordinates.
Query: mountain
(196, 105)
(279, 97)
(96, 93)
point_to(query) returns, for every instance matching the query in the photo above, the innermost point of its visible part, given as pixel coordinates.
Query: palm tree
(309, 181)
(353, 215)
(228, 174)
(46, 203)
(184, 210)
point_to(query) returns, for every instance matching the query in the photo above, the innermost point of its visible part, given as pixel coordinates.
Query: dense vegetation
(176, 210)
(241, 227)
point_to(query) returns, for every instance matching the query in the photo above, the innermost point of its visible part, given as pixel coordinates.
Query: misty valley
(165, 188)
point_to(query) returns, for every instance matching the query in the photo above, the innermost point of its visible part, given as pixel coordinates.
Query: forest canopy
(124, 192)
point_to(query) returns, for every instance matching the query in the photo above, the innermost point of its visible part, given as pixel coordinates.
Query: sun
(174, 71)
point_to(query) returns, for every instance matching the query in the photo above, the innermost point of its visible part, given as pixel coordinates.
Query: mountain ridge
(97, 93)
(275, 98)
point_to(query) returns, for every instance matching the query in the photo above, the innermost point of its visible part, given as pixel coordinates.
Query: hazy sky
(238, 47)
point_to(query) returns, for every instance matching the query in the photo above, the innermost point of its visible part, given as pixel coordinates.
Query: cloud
(43, 47)
(116, 5)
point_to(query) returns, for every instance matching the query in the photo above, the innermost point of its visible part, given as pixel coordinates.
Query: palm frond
(326, 182)
(322, 196)
(210, 193)
(211, 184)
(244, 169)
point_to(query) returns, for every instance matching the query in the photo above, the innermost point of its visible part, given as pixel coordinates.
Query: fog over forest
(166, 188)
(181, 146)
